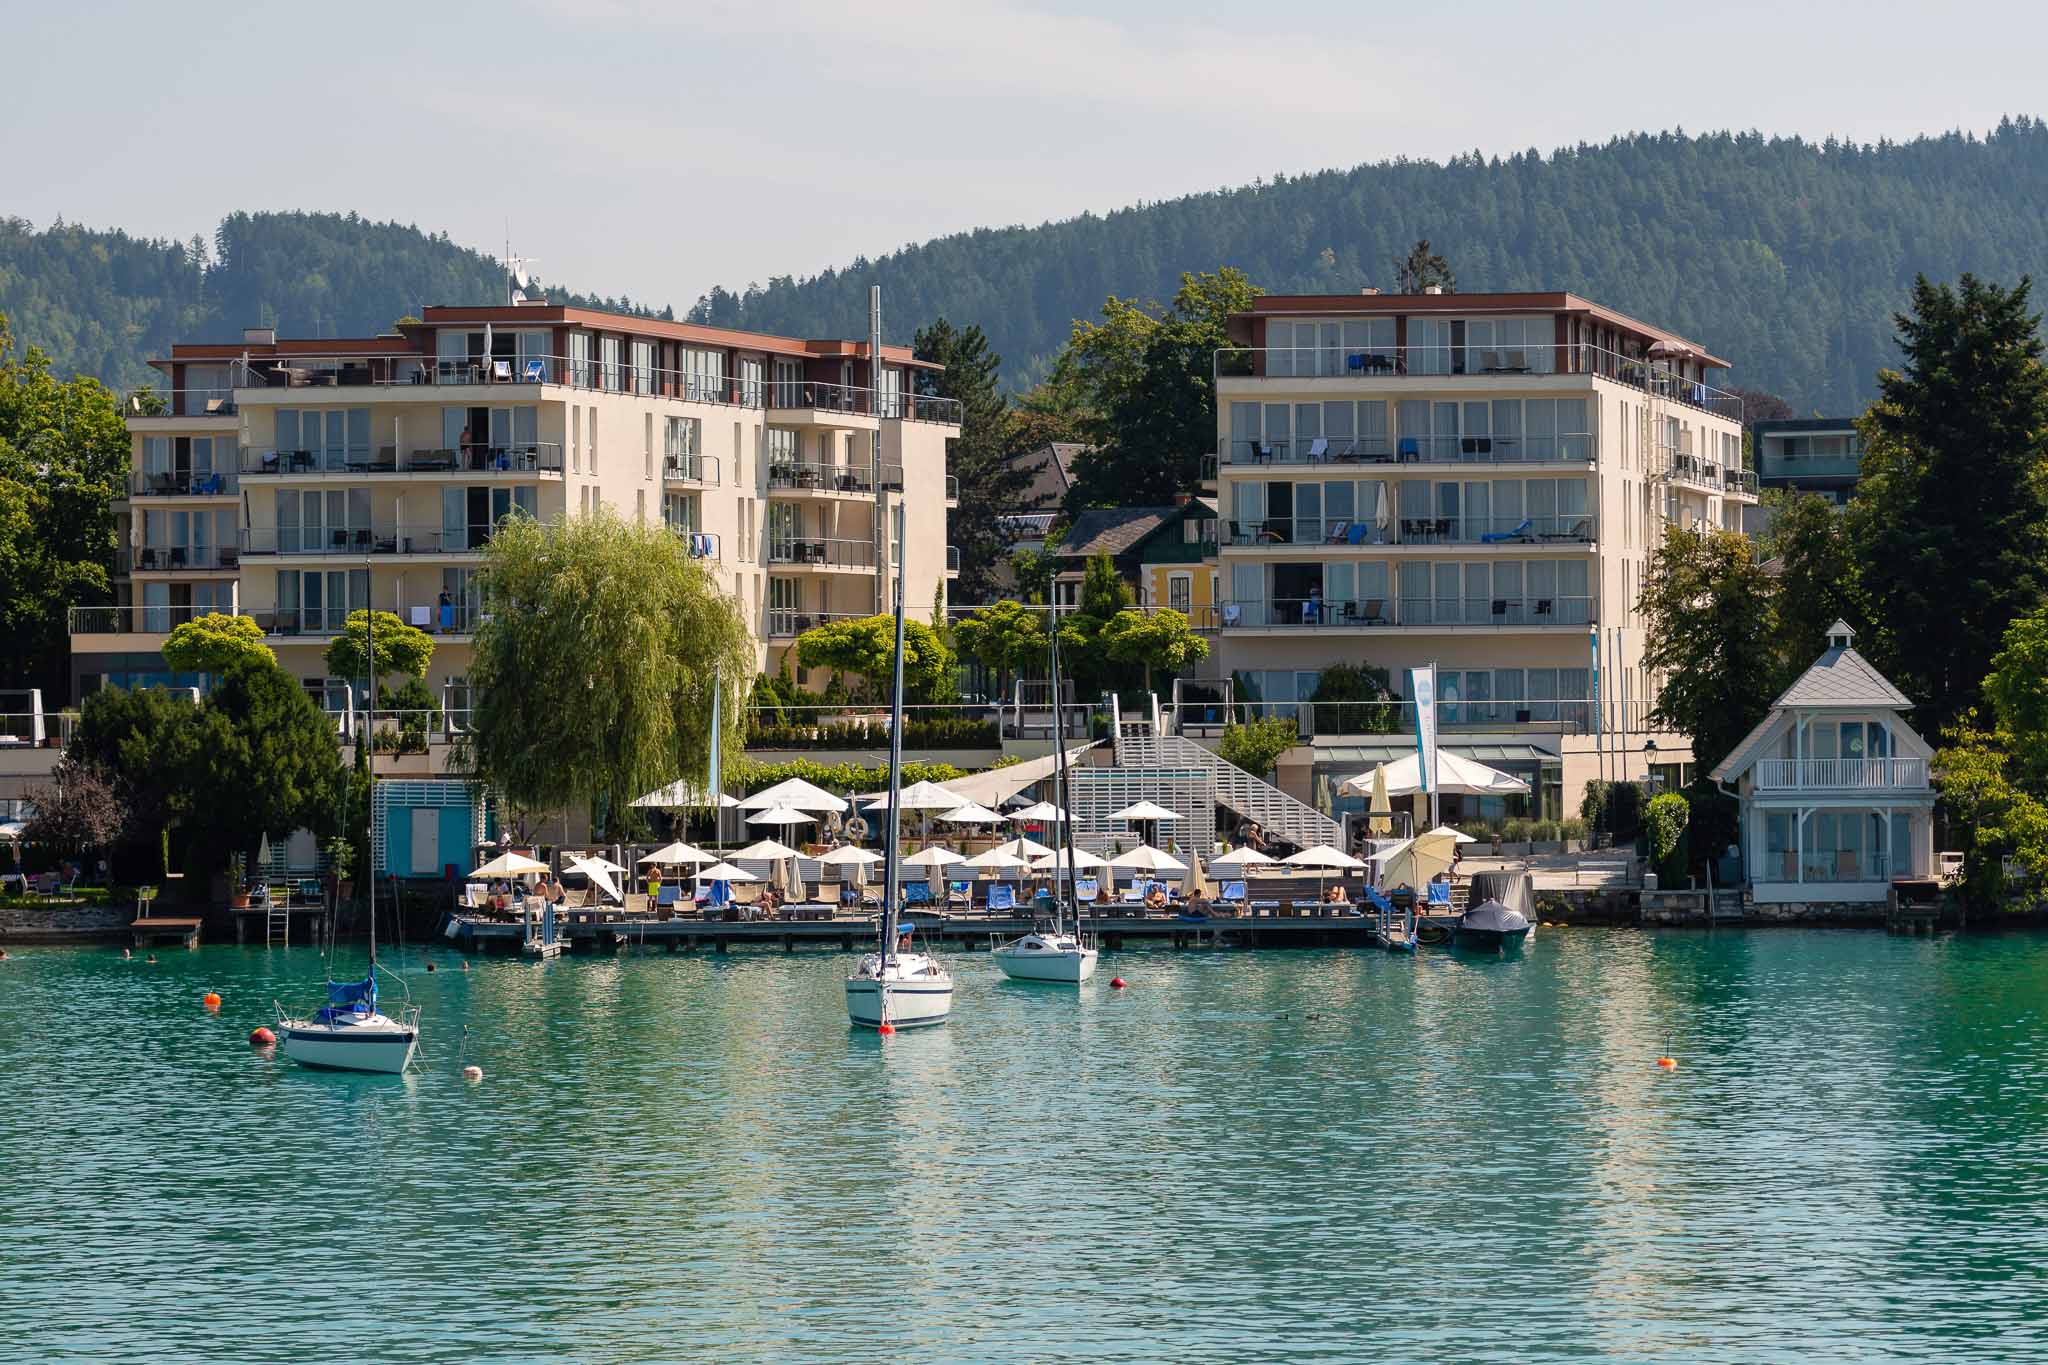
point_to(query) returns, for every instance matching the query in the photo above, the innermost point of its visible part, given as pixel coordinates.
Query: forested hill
(103, 302)
(1789, 257)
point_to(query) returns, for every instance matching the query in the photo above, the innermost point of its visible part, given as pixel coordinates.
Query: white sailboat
(349, 1032)
(896, 986)
(1049, 952)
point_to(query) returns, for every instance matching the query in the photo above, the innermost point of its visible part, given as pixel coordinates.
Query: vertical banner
(713, 779)
(1422, 687)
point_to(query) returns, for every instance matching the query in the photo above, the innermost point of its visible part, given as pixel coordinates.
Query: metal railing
(1321, 613)
(1548, 716)
(295, 622)
(152, 401)
(171, 558)
(831, 478)
(134, 620)
(183, 483)
(840, 554)
(1472, 361)
(1831, 865)
(691, 469)
(544, 457)
(1567, 529)
(379, 538)
(1803, 774)
(1429, 449)
(952, 488)
(785, 622)
(702, 544)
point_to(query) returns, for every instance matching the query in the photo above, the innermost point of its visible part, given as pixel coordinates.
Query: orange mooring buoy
(262, 1037)
(211, 1000)
(1667, 1064)
(886, 1028)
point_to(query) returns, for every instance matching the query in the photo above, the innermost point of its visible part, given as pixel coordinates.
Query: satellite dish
(521, 277)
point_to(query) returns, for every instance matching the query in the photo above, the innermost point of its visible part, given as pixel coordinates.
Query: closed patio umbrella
(1381, 810)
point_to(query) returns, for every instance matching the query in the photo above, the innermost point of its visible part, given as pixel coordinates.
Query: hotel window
(575, 439)
(789, 384)
(469, 515)
(1179, 592)
(1372, 338)
(752, 387)
(647, 445)
(1510, 345)
(1432, 348)
(318, 520)
(679, 512)
(593, 440)
(643, 367)
(319, 600)
(889, 398)
(783, 452)
(331, 438)
(640, 506)
(608, 352)
(703, 375)
(579, 359)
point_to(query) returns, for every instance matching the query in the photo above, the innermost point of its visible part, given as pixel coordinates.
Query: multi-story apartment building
(1821, 455)
(295, 481)
(1474, 480)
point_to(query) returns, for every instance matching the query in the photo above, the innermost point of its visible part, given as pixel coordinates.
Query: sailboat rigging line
(890, 874)
(1066, 801)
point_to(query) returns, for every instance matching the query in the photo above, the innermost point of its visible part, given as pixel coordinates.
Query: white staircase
(1141, 743)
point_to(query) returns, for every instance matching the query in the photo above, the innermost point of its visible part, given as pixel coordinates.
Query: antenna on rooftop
(520, 276)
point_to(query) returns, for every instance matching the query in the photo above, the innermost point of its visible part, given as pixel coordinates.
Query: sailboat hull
(1033, 958)
(914, 999)
(383, 1047)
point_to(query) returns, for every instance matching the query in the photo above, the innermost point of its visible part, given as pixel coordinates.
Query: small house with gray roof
(1833, 784)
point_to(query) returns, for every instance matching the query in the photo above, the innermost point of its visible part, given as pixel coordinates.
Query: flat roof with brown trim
(1546, 301)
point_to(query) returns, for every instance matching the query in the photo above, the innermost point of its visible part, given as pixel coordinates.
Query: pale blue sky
(659, 149)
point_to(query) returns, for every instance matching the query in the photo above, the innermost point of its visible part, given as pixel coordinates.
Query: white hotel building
(297, 480)
(1474, 480)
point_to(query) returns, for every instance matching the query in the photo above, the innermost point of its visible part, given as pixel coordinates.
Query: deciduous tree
(1004, 636)
(401, 648)
(209, 643)
(1148, 640)
(866, 648)
(76, 811)
(1711, 628)
(592, 674)
(266, 762)
(1257, 745)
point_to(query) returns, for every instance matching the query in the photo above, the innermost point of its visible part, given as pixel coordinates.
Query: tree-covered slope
(103, 302)
(1787, 256)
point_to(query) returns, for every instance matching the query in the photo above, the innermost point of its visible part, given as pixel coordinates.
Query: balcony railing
(134, 620)
(539, 458)
(701, 544)
(1569, 529)
(1320, 613)
(173, 558)
(1545, 716)
(1825, 865)
(1739, 480)
(839, 554)
(357, 541)
(832, 478)
(691, 469)
(452, 619)
(150, 401)
(1833, 774)
(1356, 450)
(952, 488)
(182, 483)
(1457, 363)
(1701, 472)
(783, 624)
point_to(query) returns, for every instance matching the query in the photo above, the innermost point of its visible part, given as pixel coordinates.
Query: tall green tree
(1423, 268)
(1711, 630)
(990, 486)
(146, 742)
(401, 648)
(1816, 580)
(1950, 518)
(1147, 640)
(866, 648)
(1005, 636)
(63, 461)
(267, 762)
(209, 643)
(1150, 379)
(593, 671)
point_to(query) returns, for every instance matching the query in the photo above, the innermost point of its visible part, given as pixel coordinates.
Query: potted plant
(1514, 839)
(1574, 834)
(1544, 838)
(238, 881)
(341, 859)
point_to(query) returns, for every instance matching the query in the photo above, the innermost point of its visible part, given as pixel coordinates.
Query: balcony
(691, 469)
(177, 558)
(701, 544)
(1696, 471)
(1840, 774)
(289, 623)
(182, 483)
(1565, 532)
(1459, 364)
(800, 477)
(358, 542)
(1400, 450)
(1382, 613)
(538, 458)
(150, 404)
(822, 554)
(787, 624)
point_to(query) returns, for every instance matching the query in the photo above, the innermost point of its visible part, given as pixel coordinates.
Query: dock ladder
(277, 918)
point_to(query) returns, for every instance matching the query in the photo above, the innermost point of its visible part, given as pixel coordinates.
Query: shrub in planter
(1665, 822)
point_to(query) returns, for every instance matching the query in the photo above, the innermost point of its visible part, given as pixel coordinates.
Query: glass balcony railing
(183, 483)
(1367, 450)
(537, 458)
(380, 538)
(1319, 613)
(1565, 530)
(821, 552)
(691, 469)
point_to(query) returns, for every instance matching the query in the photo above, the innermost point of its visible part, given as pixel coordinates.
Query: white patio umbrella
(1446, 832)
(938, 855)
(994, 858)
(797, 794)
(726, 872)
(1454, 774)
(681, 795)
(970, 814)
(509, 865)
(1146, 810)
(1149, 859)
(598, 860)
(1044, 813)
(781, 816)
(678, 854)
(766, 850)
(847, 855)
(600, 873)
(1322, 855)
(1023, 848)
(1058, 862)
(1239, 858)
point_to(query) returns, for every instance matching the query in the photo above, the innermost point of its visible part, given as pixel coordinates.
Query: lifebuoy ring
(857, 828)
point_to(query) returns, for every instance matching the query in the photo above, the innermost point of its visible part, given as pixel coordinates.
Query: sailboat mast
(890, 875)
(1066, 804)
(370, 768)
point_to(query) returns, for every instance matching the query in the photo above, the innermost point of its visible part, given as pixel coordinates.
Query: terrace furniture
(1476, 445)
(1002, 896)
(1261, 453)
(1518, 363)
(1357, 534)
(536, 371)
(1233, 614)
(1339, 533)
(1520, 533)
(230, 556)
(1374, 612)
(1409, 451)
(1489, 361)
(1500, 610)
(1317, 449)
(1543, 606)
(178, 557)
(1580, 530)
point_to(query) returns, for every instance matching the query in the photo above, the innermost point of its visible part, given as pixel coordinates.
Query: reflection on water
(1323, 1156)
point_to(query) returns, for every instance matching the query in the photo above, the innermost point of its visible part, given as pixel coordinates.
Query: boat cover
(345, 998)
(1515, 890)
(1493, 917)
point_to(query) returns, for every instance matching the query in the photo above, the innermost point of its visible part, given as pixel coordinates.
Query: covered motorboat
(1491, 927)
(1046, 955)
(349, 1033)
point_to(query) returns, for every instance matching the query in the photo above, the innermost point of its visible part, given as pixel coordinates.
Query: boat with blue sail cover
(349, 1032)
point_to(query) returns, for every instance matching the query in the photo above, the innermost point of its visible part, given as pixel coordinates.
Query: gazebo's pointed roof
(1840, 679)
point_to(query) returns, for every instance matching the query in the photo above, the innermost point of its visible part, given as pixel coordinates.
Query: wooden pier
(154, 929)
(857, 934)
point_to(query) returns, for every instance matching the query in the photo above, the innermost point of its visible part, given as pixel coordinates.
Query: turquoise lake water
(1300, 1156)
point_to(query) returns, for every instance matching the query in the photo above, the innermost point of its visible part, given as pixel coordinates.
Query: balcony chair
(1261, 453)
(1520, 533)
(1356, 535)
(1340, 533)
(1489, 361)
(1409, 451)
(1374, 612)
(1002, 896)
(1233, 614)
(1580, 531)
(536, 371)
(1545, 606)
(1318, 449)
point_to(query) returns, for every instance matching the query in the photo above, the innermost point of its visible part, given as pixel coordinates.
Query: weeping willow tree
(593, 666)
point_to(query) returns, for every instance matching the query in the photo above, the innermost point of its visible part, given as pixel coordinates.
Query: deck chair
(1002, 896)
(1339, 533)
(536, 371)
(1134, 894)
(1519, 533)
(1318, 448)
(917, 893)
(1440, 894)
(1232, 891)
(1087, 890)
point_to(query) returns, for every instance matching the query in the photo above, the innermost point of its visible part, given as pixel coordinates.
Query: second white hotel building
(1474, 480)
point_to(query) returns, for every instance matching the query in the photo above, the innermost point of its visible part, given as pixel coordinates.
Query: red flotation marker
(1667, 1064)
(1116, 983)
(262, 1037)
(886, 1028)
(211, 1000)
